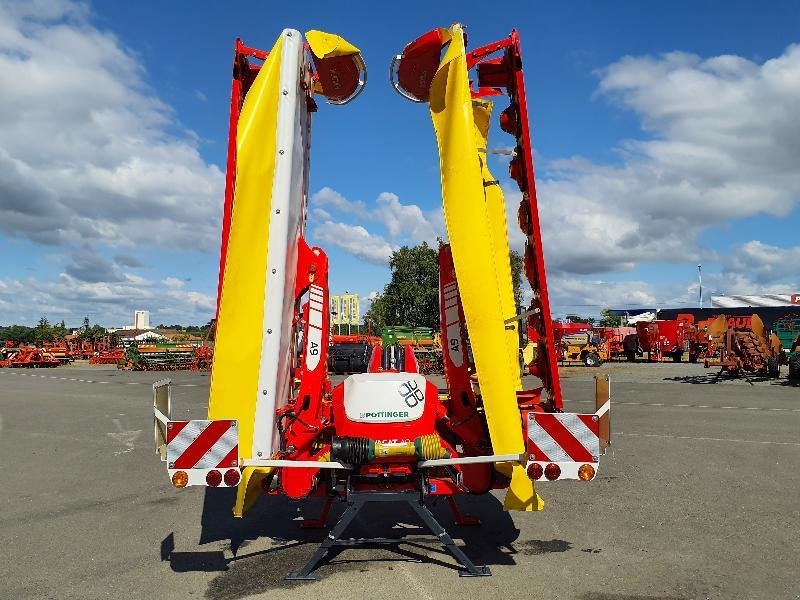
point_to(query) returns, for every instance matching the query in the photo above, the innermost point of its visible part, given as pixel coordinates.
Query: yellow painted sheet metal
(481, 263)
(250, 489)
(327, 45)
(496, 214)
(237, 352)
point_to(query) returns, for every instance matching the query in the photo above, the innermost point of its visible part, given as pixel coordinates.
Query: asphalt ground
(697, 498)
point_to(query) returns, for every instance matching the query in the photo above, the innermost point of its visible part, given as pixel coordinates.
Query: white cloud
(405, 220)
(355, 240)
(92, 160)
(764, 263)
(725, 145)
(402, 222)
(584, 295)
(333, 200)
(109, 303)
(88, 153)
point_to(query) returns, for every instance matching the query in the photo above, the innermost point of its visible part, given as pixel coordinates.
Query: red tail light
(552, 471)
(213, 478)
(535, 471)
(232, 477)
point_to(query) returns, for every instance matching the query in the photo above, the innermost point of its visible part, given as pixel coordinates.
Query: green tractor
(794, 360)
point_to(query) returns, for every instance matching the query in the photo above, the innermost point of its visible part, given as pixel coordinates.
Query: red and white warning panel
(563, 446)
(203, 453)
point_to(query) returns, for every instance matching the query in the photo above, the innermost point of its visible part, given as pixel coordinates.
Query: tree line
(44, 331)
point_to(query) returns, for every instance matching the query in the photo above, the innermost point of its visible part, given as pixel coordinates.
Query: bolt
(264, 392)
(171, 465)
(274, 271)
(169, 425)
(258, 453)
(594, 417)
(288, 34)
(285, 92)
(277, 212)
(269, 330)
(280, 151)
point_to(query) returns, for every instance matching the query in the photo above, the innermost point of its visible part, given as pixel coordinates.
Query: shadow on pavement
(278, 519)
(721, 377)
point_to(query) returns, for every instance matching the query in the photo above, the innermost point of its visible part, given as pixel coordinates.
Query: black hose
(351, 450)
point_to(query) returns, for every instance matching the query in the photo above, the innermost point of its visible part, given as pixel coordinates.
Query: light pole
(700, 280)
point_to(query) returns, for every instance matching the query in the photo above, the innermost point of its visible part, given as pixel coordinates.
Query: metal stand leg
(355, 502)
(470, 570)
(347, 517)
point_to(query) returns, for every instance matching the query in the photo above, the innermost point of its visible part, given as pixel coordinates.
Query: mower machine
(276, 424)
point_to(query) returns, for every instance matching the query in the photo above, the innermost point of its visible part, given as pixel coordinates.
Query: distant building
(738, 301)
(141, 320)
(129, 336)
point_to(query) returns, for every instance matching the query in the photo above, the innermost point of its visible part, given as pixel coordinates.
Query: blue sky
(664, 136)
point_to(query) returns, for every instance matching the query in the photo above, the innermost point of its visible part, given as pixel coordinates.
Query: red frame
(506, 72)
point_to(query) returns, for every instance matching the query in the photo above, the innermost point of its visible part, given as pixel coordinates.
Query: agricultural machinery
(745, 350)
(574, 342)
(619, 342)
(27, 357)
(426, 342)
(662, 338)
(276, 424)
(350, 353)
(794, 359)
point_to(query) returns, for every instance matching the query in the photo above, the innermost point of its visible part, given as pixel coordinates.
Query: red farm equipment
(108, 357)
(619, 342)
(29, 358)
(661, 339)
(277, 425)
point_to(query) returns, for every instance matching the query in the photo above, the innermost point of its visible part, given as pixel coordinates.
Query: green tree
(580, 319)
(18, 333)
(609, 320)
(516, 276)
(412, 295)
(43, 332)
(376, 317)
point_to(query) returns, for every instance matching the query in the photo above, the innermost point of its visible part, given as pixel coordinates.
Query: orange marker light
(586, 472)
(180, 479)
